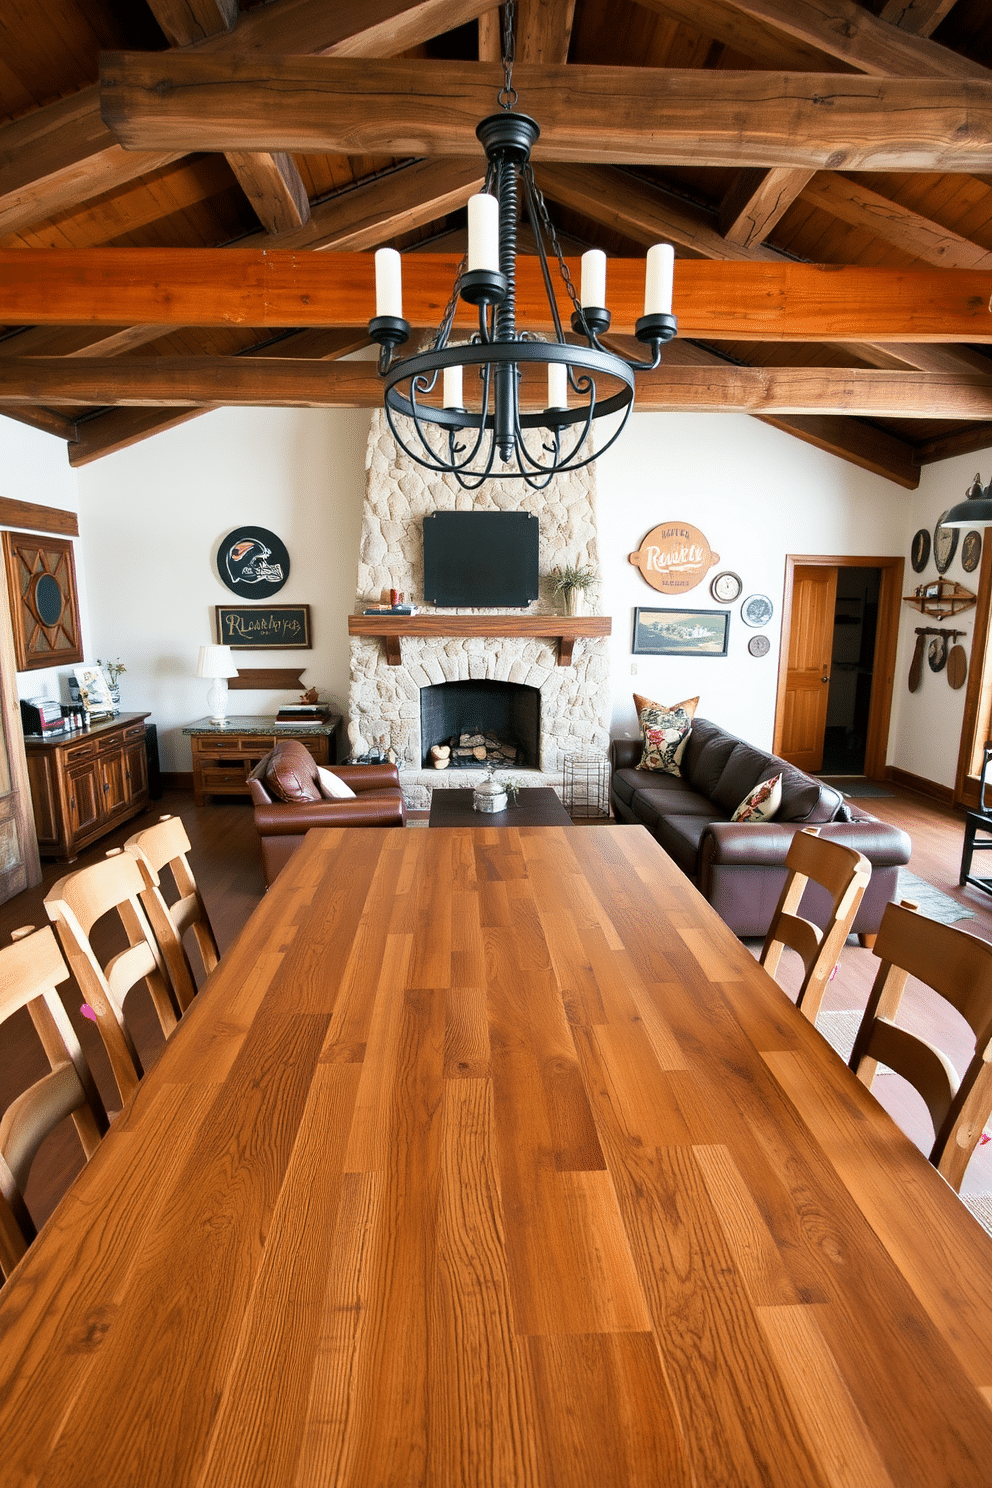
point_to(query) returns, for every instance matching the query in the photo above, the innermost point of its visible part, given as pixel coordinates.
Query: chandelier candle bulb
(483, 232)
(659, 271)
(557, 385)
(453, 387)
(388, 283)
(594, 279)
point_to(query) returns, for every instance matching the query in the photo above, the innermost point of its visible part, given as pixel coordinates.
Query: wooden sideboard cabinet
(224, 755)
(86, 783)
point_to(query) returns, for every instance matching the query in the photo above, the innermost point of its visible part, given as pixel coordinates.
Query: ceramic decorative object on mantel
(569, 582)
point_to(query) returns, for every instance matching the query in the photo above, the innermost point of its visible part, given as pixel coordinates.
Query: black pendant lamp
(976, 508)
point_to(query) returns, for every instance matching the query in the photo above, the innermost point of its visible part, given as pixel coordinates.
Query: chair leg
(967, 851)
(866, 940)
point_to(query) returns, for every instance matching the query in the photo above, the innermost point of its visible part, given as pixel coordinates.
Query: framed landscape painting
(681, 632)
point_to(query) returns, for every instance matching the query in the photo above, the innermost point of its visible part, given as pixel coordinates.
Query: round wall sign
(759, 645)
(945, 544)
(674, 557)
(757, 610)
(253, 562)
(920, 556)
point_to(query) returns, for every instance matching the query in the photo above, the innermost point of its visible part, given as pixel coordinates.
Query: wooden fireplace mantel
(565, 629)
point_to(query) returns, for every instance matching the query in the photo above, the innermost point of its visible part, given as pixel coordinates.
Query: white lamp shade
(216, 661)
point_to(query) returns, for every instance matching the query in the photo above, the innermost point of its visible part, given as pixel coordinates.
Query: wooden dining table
(488, 1156)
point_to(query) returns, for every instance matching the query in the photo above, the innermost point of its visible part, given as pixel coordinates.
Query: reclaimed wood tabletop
(488, 1156)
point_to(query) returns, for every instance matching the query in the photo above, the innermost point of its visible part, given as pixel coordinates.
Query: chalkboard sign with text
(264, 627)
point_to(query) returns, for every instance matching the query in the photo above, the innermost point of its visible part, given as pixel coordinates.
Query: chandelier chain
(507, 95)
(548, 226)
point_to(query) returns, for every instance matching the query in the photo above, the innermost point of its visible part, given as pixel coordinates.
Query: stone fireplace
(505, 718)
(569, 705)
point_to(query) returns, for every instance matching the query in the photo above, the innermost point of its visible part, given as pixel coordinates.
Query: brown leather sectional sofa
(288, 802)
(740, 868)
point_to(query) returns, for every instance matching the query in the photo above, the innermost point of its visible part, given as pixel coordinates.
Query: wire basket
(586, 785)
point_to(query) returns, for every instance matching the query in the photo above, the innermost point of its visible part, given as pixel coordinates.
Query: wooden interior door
(807, 678)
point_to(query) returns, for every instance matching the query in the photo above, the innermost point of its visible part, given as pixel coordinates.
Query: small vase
(573, 600)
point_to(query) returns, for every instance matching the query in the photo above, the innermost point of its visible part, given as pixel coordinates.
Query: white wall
(757, 494)
(152, 519)
(926, 725)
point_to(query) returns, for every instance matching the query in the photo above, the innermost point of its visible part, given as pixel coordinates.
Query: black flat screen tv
(481, 559)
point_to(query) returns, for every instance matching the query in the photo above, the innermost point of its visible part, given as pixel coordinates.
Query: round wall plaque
(757, 610)
(920, 555)
(945, 544)
(674, 557)
(253, 562)
(759, 645)
(937, 653)
(971, 551)
(726, 587)
(957, 666)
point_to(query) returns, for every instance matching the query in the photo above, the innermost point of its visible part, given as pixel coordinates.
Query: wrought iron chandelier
(486, 435)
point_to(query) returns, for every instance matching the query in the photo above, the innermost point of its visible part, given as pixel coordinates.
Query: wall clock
(920, 555)
(757, 610)
(726, 587)
(971, 551)
(253, 562)
(44, 611)
(945, 544)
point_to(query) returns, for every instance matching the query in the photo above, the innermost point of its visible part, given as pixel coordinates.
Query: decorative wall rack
(942, 597)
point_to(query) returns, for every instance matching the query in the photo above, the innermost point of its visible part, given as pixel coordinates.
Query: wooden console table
(224, 755)
(85, 783)
(565, 629)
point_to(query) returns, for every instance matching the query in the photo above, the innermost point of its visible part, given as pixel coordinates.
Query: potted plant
(569, 582)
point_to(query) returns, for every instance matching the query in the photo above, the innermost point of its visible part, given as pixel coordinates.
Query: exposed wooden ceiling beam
(961, 442)
(781, 301)
(63, 153)
(921, 17)
(757, 200)
(859, 443)
(543, 30)
(884, 218)
(647, 116)
(923, 358)
(186, 21)
(277, 382)
(121, 427)
(764, 44)
(44, 419)
(842, 29)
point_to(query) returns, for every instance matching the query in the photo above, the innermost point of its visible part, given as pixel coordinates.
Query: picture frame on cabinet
(94, 691)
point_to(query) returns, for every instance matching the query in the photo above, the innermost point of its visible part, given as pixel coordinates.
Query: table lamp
(218, 663)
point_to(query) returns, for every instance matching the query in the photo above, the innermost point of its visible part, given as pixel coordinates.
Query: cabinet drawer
(215, 776)
(135, 731)
(253, 744)
(82, 751)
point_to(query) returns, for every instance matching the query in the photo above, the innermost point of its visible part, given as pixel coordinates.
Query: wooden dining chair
(958, 967)
(842, 874)
(30, 971)
(75, 904)
(165, 845)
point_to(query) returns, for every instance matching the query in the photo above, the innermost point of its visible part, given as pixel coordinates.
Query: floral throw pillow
(761, 802)
(665, 733)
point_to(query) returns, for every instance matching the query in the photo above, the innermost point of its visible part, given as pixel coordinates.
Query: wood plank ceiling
(759, 136)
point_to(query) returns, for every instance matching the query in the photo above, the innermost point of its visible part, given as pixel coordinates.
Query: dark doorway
(852, 657)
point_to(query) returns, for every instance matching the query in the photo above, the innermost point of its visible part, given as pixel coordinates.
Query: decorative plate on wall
(726, 587)
(757, 610)
(44, 612)
(945, 544)
(971, 551)
(759, 645)
(920, 555)
(253, 562)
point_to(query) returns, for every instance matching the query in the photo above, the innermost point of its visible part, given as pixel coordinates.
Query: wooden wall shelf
(942, 598)
(565, 629)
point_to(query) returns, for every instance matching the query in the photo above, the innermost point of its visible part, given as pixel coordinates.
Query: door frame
(884, 660)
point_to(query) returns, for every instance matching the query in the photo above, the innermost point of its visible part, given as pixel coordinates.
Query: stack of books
(396, 609)
(301, 714)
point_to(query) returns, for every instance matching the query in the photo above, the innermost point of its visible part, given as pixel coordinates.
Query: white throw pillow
(761, 802)
(332, 787)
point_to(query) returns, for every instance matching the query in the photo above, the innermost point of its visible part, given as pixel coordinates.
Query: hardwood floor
(226, 861)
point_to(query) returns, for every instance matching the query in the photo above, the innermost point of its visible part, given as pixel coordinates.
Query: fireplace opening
(492, 724)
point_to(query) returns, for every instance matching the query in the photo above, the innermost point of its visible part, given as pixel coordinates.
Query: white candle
(593, 293)
(388, 283)
(453, 387)
(557, 385)
(658, 279)
(483, 232)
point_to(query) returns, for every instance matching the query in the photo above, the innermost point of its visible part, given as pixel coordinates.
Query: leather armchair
(287, 801)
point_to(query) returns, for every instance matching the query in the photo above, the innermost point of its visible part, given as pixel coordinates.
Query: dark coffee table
(537, 806)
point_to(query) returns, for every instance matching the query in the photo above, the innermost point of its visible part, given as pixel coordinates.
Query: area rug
(840, 1030)
(980, 1205)
(855, 788)
(934, 904)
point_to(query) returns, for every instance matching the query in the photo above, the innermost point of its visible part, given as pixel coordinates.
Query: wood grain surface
(488, 1156)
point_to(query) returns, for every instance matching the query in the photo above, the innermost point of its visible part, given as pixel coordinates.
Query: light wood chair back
(958, 967)
(75, 904)
(843, 874)
(30, 971)
(165, 845)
